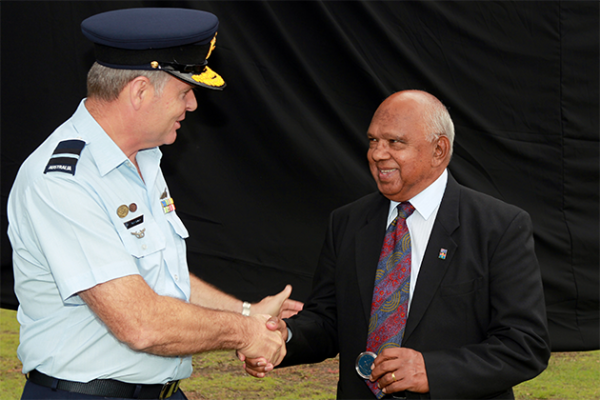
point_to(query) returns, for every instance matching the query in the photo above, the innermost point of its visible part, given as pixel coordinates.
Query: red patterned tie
(391, 293)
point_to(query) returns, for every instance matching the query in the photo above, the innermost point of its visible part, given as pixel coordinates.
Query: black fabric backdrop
(257, 169)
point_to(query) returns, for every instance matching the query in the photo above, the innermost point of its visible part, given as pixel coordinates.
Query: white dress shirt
(420, 223)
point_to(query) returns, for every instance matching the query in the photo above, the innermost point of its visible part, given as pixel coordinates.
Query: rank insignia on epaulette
(65, 156)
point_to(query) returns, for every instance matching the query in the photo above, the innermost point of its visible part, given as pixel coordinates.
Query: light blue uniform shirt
(67, 237)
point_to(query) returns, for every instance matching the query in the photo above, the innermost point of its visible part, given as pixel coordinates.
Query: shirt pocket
(142, 239)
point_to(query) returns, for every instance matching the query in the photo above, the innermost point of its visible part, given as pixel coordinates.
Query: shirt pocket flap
(143, 239)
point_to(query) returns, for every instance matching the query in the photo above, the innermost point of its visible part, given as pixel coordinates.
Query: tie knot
(405, 210)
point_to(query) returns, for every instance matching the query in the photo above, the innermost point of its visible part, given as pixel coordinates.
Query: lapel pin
(443, 253)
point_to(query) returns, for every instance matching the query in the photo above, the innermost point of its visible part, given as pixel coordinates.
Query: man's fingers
(240, 356)
(253, 372)
(273, 323)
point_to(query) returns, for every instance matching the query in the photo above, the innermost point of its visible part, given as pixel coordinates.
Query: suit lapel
(369, 240)
(433, 267)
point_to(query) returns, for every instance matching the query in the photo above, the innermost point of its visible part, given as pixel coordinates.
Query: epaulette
(65, 156)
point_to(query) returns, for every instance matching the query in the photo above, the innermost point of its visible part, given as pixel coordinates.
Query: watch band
(246, 309)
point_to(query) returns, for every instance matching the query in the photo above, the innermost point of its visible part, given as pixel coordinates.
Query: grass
(219, 375)
(226, 379)
(12, 381)
(570, 375)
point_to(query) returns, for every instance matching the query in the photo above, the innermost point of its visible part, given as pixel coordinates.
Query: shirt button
(144, 247)
(176, 277)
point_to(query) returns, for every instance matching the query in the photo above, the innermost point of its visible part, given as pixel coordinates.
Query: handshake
(267, 333)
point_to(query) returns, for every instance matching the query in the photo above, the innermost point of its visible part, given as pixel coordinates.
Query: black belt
(106, 387)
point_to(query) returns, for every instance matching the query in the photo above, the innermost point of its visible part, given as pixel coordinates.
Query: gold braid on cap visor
(208, 76)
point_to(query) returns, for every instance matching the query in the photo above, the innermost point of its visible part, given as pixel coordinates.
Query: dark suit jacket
(477, 316)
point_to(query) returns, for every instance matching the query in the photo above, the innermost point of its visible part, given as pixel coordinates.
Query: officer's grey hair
(106, 83)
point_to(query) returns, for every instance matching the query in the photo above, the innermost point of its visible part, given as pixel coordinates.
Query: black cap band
(141, 59)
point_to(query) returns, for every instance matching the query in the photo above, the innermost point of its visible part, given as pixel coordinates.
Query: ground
(314, 381)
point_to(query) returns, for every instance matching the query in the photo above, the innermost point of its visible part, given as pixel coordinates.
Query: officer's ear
(138, 90)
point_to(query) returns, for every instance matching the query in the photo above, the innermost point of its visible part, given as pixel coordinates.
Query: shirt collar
(105, 152)
(426, 202)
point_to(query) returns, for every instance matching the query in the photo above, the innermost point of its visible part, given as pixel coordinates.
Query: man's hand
(398, 368)
(259, 367)
(266, 342)
(278, 306)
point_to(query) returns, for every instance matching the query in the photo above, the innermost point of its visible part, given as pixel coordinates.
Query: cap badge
(208, 76)
(213, 45)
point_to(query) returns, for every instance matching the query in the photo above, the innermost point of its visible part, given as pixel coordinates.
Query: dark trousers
(37, 392)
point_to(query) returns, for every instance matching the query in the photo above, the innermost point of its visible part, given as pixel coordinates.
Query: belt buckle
(168, 389)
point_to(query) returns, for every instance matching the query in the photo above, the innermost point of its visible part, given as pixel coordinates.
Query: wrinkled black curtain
(257, 169)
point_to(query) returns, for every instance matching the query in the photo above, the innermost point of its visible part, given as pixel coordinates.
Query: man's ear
(138, 90)
(442, 150)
